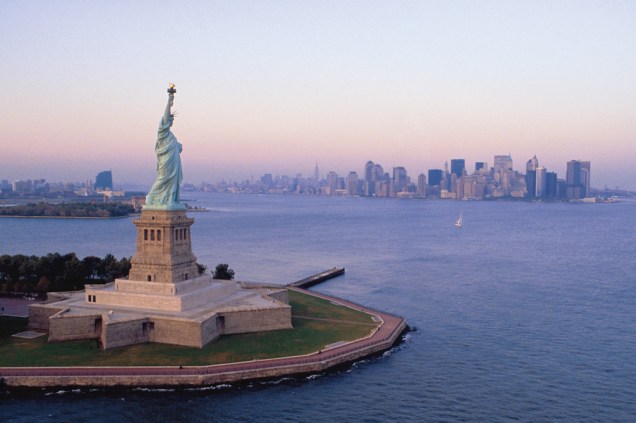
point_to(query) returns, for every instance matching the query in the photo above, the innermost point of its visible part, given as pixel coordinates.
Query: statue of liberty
(164, 194)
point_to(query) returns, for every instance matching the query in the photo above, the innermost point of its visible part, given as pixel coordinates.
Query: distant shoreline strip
(62, 217)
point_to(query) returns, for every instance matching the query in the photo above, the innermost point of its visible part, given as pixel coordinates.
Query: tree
(201, 268)
(55, 272)
(43, 285)
(90, 264)
(223, 271)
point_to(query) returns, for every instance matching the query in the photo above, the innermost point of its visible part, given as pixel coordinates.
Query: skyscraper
(458, 166)
(541, 183)
(445, 177)
(352, 183)
(332, 183)
(369, 180)
(104, 180)
(531, 184)
(399, 179)
(421, 185)
(551, 185)
(577, 179)
(503, 163)
(434, 177)
(585, 178)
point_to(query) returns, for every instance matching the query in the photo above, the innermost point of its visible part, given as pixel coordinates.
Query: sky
(278, 86)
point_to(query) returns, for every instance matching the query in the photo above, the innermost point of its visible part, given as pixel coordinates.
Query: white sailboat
(458, 223)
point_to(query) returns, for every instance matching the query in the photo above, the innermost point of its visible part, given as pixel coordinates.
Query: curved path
(383, 338)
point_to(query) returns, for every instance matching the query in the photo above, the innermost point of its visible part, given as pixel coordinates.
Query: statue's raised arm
(168, 113)
(164, 194)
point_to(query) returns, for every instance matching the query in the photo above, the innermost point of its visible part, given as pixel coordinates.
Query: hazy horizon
(276, 86)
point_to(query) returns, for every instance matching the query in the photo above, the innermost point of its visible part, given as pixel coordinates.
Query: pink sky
(277, 86)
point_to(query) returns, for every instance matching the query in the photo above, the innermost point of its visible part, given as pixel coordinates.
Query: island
(69, 210)
(166, 321)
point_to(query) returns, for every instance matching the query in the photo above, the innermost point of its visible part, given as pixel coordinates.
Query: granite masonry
(164, 299)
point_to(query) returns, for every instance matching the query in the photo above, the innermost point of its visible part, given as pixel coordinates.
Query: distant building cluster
(102, 188)
(454, 181)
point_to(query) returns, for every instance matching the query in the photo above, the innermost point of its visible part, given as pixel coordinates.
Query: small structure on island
(165, 298)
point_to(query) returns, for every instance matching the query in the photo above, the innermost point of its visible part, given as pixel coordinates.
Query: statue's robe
(165, 190)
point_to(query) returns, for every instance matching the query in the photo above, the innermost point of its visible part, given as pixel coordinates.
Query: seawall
(382, 339)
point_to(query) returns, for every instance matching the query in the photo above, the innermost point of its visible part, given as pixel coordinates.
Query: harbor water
(525, 313)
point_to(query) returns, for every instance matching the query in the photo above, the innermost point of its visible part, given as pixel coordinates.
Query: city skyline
(456, 181)
(273, 87)
(318, 175)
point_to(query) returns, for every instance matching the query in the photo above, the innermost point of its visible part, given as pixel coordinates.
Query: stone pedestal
(164, 248)
(164, 299)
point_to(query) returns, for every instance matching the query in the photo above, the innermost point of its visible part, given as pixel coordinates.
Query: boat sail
(458, 223)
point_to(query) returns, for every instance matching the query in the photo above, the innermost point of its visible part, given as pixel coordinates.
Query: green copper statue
(164, 194)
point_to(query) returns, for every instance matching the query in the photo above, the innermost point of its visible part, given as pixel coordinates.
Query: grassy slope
(317, 323)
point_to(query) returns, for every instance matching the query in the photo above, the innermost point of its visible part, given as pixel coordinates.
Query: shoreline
(65, 217)
(382, 339)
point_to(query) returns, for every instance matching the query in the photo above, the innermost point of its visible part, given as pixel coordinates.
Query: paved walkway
(382, 339)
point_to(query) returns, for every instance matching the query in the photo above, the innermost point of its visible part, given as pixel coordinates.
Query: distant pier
(318, 278)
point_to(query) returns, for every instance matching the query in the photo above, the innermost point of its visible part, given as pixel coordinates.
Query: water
(526, 313)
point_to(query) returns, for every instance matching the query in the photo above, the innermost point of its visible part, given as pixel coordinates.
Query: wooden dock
(318, 278)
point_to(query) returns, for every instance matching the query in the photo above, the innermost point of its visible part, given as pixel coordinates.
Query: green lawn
(317, 323)
(9, 326)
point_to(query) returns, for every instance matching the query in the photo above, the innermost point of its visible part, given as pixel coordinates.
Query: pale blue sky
(274, 86)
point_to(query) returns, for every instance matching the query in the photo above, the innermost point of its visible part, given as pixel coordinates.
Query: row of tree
(43, 209)
(57, 272)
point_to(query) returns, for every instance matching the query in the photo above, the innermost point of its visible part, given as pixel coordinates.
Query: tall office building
(368, 168)
(267, 180)
(467, 187)
(503, 163)
(541, 183)
(577, 179)
(585, 178)
(453, 183)
(531, 184)
(104, 180)
(421, 185)
(551, 185)
(316, 175)
(352, 183)
(434, 177)
(479, 166)
(332, 183)
(369, 182)
(377, 177)
(457, 167)
(532, 164)
(445, 177)
(399, 179)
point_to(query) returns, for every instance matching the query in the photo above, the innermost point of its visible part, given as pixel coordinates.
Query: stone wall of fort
(178, 332)
(70, 328)
(39, 316)
(211, 329)
(243, 321)
(125, 332)
(202, 375)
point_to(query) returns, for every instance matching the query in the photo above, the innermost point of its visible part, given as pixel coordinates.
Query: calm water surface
(525, 314)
